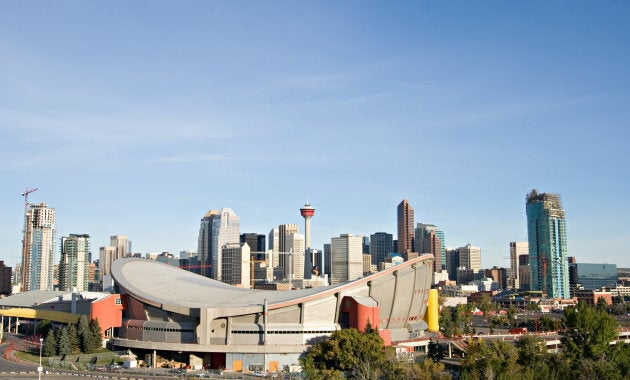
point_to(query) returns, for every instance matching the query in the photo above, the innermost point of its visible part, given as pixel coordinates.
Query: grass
(27, 356)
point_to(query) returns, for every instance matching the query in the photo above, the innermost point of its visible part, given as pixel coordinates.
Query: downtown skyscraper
(217, 229)
(405, 228)
(430, 239)
(547, 238)
(38, 250)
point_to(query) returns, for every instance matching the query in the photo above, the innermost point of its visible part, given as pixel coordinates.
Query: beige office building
(346, 253)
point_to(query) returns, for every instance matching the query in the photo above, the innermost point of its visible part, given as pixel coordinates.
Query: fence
(86, 361)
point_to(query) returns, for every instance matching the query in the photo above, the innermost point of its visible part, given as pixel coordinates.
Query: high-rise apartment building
(425, 242)
(38, 258)
(547, 238)
(405, 228)
(517, 248)
(217, 229)
(74, 262)
(381, 245)
(347, 258)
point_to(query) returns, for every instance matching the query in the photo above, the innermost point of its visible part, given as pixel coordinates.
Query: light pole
(40, 369)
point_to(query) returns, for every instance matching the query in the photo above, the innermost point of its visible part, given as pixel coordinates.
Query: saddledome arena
(182, 316)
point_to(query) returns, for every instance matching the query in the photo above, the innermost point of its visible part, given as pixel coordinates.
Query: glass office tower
(547, 237)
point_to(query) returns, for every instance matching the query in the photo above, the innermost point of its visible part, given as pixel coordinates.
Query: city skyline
(137, 118)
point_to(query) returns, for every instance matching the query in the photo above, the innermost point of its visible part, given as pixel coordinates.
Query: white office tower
(294, 243)
(274, 247)
(74, 263)
(346, 258)
(225, 229)
(38, 259)
(517, 248)
(470, 257)
(235, 264)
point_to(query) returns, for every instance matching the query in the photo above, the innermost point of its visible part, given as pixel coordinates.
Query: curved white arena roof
(169, 287)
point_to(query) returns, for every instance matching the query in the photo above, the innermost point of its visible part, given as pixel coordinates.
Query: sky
(136, 118)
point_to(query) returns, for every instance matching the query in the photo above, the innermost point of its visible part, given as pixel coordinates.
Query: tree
(462, 318)
(63, 342)
(602, 304)
(50, 344)
(485, 304)
(532, 353)
(446, 321)
(434, 351)
(95, 337)
(490, 361)
(349, 354)
(83, 331)
(588, 332)
(73, 336)
(45, 326)
(511, 314)
(426, 370)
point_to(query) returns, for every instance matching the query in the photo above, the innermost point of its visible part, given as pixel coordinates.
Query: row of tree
(83, 337)
(350, 354)
(587, 352)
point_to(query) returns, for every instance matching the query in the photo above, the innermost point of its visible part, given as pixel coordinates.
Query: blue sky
(137, 117)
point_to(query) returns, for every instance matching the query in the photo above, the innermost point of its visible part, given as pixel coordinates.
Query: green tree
(485, 304)
(426, 370)
(434, 351)
(64, 346)
(588, 332)
(83, 330)
(45, 326)
(511, 314)
(349, 354)
(533, 355)
(490, 361)
(602, 304)
(446, 321)
(73, 336)
(50, 344)
(95, 337)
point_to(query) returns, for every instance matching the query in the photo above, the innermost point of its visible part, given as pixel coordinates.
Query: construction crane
(26, 241)
(25, 195)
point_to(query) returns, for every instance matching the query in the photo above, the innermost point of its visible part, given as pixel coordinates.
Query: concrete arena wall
(401, 294)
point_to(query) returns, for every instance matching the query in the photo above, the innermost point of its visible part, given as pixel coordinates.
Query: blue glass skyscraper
(547, 237)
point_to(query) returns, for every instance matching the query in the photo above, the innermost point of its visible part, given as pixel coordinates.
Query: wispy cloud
(40, 126)
(193, 157)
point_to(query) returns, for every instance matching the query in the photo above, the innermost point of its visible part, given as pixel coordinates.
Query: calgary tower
(307, 213)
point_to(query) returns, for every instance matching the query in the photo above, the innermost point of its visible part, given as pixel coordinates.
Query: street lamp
(40, 368)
